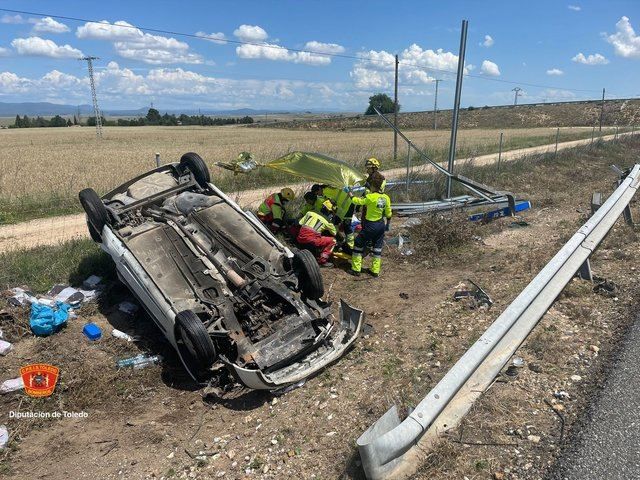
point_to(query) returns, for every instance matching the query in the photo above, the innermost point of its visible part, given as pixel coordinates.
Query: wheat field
(43, 169)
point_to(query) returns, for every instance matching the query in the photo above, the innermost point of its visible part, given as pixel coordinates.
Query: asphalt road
(608, 445)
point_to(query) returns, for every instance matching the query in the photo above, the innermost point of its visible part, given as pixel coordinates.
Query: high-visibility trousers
(372, 232)
(324, 244)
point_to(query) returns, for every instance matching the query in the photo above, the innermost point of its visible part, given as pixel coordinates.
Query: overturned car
(223, 290)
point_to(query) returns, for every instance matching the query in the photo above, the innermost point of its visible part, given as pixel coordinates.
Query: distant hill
(584, 113)
(49, 109)
(41, 108)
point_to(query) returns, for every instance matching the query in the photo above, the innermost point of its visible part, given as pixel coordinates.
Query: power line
(517, 91)
(297, 50)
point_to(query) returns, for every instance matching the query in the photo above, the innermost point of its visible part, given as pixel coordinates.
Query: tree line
(152, 117)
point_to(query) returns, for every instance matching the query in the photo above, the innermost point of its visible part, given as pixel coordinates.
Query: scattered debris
(561, 395)
(576, 378)
(11, 385)
(128, 308)
(404, 296)
(519, 224)
(46, 320)
(21, 297)
(477, 295)
(5, 347)
(534, 438)
(120, 334)
(289, 388)
(605, 287)
(92, 331)
(139, 361)
(4, 436)
(92, 283)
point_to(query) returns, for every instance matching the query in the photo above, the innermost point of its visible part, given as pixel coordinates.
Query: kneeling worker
(378, 208)
(312, 227)
(272, 211)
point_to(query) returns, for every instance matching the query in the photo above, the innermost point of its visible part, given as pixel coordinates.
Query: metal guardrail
(391, 448)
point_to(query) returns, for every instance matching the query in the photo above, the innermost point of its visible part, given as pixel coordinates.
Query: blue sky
(553, 50)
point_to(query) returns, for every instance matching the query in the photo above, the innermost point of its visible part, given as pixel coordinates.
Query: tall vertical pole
(500, 150)
(456, 103)
(395, 114)
(517, 91)
(601, 111)
(435, 106)
(96, 109)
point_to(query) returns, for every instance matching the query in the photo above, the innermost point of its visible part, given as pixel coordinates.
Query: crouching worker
(378, 209)
(312, 227)
(273, 210)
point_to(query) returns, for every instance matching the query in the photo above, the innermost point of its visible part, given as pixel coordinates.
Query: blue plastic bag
(46, 320)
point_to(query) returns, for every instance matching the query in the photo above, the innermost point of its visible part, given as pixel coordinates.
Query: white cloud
(119, 87)
(132, 43)
(48, 25)
(4, 52)
(575, 8)
(417, 67)
(251, 33)
(219, 38)
(270, 51)
(14, 19)
(489, 68)
(625, 41)
(36, 46)
(488, 41)
(555, 71)
(595, 59)
(319, 47)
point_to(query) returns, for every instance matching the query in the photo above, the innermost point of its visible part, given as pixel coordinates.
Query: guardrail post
(596, 202)
(408, 166)
(157, 160)
(584, 272)
(628, 217)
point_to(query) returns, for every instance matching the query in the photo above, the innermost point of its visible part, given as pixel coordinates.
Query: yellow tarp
(317, 168)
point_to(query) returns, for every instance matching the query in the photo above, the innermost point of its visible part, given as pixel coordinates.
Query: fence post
(157, 160)
(408, 166)
(557, 136)
(592, 134)
(633, 130)
(500, 150)
(616, 135)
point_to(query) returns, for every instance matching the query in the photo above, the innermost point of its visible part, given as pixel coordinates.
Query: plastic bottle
(139, 361)
(120, 334)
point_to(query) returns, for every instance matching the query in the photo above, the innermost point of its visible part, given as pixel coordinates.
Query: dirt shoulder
(150, 424)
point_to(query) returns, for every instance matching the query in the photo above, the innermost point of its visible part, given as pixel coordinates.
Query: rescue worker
(372, 165)
(272, 211)
(378, 209)
(310, 200)
(312, 227)
(344, 211)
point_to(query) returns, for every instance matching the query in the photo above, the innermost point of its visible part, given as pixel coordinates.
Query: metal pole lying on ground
(395, 114)
(456, 103)
(500, 150)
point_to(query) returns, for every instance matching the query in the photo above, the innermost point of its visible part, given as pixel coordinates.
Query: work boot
(354, 273)
(326, 265)
(374, 274)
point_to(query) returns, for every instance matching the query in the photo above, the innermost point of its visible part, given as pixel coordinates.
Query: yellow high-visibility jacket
(378, 205)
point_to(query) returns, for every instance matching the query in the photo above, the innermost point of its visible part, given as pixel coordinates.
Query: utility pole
(601, 111)
(96, 109)
(456, 103)
(517, 91)
(435, 106)
(395, 114)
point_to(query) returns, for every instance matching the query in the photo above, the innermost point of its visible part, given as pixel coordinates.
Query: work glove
(346, 189)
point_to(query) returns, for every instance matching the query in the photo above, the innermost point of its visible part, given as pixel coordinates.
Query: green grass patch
(40, 268)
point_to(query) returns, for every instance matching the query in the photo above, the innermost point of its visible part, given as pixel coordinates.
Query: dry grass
(41, 170)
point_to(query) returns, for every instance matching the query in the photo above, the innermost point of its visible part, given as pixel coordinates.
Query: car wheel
(97, 216)
(194, 163)
(194, 341)
(308, 271)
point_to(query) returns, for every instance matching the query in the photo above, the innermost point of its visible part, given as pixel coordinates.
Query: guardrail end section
(369, 455)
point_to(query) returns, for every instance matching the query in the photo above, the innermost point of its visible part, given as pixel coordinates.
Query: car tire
(195, 339)
(195, 164)
(308, 271)
(97, 216)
